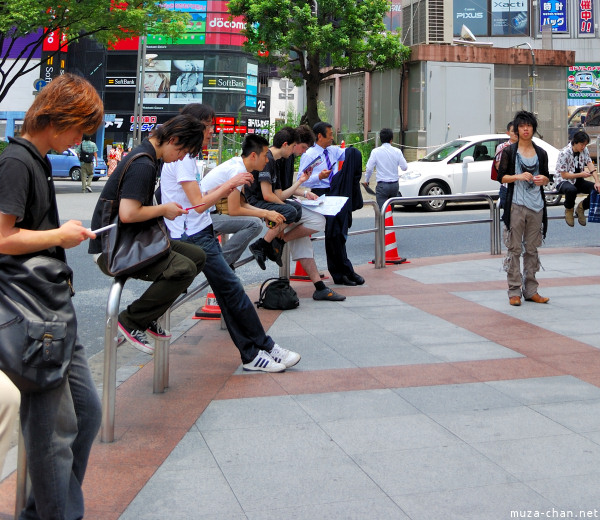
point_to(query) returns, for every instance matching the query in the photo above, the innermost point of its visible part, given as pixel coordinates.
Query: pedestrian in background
(386, 160)
(88, 155)
(569, 177)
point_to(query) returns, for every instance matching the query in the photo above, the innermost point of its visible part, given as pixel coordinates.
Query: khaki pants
(10, 398)
(87, 174)
(524, 235)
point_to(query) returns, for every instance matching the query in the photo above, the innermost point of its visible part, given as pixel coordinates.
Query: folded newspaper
(327, 205)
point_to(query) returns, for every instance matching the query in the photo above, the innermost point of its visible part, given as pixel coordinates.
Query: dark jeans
(243, 323)
(170, 276)
(59, 427)
(292, 211)
(385, 191)
(571, 191)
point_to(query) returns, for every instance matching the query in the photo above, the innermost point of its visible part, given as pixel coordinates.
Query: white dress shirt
(386, 159)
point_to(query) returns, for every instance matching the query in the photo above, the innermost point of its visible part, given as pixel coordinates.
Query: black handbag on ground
(277, 294)
(130, 247)
(38, 327)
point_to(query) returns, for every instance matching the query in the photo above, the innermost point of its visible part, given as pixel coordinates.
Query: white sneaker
(263, 362)
(284, 356)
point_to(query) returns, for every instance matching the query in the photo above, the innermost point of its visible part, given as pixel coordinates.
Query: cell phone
(271, 224)
(102, 229)
(196, 206)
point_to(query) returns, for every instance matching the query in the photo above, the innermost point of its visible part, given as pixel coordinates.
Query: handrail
(378, 249)
(161, 354)
(494, 245)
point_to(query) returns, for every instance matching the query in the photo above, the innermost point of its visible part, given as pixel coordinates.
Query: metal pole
(109, 378)
(139, 92)
(220, 153)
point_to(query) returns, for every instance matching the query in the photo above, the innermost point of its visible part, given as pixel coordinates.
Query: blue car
(67, 164)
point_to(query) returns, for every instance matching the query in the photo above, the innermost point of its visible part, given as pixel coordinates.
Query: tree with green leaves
(311, 40)
(71, 20)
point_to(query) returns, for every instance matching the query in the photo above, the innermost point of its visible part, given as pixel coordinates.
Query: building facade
(514, 54)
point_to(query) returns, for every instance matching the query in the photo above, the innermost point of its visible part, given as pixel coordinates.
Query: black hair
(188, 130)
(525, 118)
(199, 110)
(580, 137)
(286, 135)
(509, 125)
(386, 135)
(305, 135)
(320, 128)
(253, 143)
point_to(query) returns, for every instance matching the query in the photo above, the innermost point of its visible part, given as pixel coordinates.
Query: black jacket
(507, 167)
(346, 183)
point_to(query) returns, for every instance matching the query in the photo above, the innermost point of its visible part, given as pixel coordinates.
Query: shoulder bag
(130, 247)
(594, 211)
(38, 327)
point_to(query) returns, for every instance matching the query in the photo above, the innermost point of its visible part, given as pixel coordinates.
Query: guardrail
(493, 220)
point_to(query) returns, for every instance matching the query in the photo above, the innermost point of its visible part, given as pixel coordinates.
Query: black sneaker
(137, 338)
(259, 254)
(154, 329)
(276, 250)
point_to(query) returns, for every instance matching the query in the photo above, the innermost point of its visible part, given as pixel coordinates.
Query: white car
(462, 166)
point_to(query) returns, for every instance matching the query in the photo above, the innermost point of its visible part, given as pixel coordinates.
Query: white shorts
(302, 247)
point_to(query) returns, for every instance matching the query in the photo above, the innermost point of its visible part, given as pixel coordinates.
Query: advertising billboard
(473, 14)
(510, 17)
(583, 82)
(554, 13)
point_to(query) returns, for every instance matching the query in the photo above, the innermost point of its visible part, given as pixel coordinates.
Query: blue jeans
(243, 231)
(59, 427)
(242, 321)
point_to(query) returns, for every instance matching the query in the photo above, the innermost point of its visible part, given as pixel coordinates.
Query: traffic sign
(39, 84)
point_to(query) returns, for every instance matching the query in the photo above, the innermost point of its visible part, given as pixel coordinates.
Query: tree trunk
(312, 91)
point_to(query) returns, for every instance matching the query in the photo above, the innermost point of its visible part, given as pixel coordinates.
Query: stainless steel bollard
(109, 380)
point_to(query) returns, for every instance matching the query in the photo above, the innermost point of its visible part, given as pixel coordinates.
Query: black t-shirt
(27, 190)
(138, 184)
(253, 193)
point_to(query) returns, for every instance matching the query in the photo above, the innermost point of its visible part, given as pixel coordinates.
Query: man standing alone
(386, 160)
(88, 154)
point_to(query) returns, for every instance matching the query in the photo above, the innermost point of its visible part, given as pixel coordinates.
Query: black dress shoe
(357, 278)
(346, 281)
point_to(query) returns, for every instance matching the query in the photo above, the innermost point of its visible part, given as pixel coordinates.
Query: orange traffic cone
(300, 274)
(211, 310)
(341, 163)
(391, 250)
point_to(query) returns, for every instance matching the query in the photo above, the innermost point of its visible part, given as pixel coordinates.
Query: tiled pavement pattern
(424, 395)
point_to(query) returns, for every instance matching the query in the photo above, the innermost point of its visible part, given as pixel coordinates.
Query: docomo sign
(217, 22)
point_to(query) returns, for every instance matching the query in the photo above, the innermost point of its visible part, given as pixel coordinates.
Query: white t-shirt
(222, 173)
(173, 174)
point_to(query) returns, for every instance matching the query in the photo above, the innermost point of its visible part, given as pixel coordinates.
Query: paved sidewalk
(424, 395)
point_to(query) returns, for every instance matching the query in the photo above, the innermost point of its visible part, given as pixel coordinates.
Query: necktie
(329, 163)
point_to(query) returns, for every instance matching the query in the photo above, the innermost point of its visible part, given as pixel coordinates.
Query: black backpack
(86, 157)
(277, 294)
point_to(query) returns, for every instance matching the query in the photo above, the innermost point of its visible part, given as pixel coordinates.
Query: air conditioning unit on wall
(427, 21)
